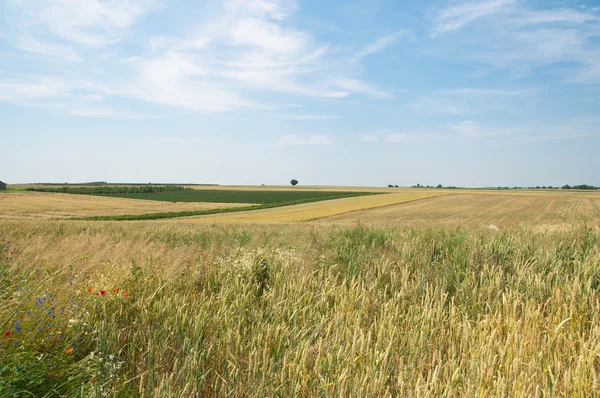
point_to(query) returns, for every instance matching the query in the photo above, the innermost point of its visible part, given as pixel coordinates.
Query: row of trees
(584, 186)
(97, 190)
(439, 186)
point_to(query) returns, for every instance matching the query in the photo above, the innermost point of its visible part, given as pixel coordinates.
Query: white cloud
(25, 42)
(437, 106)
(245, 49)
(90, 23)
(469, 128)
(168, 140)
(573, 129)
(379, 45)
(410, 138)
(520, 39)
(558, 15)
(464, 101)
(231, 53)
(26, 89)
(456, 17)
(304, 140)
(368, 138)
(179, 140)
(308, 117)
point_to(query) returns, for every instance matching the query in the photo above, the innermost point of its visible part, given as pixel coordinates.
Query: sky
(359, 92)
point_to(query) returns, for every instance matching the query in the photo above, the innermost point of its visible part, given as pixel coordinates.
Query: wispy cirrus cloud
(231, 53)
(381, 44)
(455, 17)
(521, 39)
(61, 29)
(247, 47)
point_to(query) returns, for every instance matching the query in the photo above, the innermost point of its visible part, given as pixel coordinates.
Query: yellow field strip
(481, 210)
(315, 210)
(38, 205)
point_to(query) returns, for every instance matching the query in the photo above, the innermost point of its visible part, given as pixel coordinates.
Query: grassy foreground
(297, 311)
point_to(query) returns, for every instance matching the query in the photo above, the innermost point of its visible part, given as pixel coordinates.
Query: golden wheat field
(409, 294)
(21, 205)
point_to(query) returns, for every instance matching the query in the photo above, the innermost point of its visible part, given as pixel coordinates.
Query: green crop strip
(160, 216)
(232, 196)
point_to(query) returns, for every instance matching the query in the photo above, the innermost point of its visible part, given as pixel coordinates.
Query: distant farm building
(2, 186)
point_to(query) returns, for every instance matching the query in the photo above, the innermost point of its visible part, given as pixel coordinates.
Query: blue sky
(360, 92)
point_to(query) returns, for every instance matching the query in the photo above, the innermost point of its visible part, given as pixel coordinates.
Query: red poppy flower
(6, 334)
(89, 289)
(37, 277)
(70, 351)
(115, 290)
(51, 375)
(103, 292)
(93, 379)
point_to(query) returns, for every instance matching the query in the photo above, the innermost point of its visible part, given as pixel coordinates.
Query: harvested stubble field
(483, 209)
(179, 310)
(27, 205)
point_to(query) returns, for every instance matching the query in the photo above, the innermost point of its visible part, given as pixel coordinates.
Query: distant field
(237, 196)
(317, 210)
(483, 209)
(34, 205)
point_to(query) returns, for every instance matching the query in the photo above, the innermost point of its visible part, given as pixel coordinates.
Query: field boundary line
(382, 206)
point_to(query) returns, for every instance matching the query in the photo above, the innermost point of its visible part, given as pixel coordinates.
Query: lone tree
(294, 182)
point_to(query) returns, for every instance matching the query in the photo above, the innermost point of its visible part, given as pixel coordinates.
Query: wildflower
(89, 289)
(70, 351)
(37, 277)
(51, 375)
(103, 292)
(6, 334)
(115, 290)
(93, 379)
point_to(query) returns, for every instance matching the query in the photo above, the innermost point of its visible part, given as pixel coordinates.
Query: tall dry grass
(299, 310)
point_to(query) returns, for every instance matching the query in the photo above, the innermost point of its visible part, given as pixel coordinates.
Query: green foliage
(294, 182)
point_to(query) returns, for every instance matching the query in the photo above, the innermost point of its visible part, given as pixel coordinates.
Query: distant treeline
(112, 189)
(439, 186)
(584, 186)
(101, 183)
